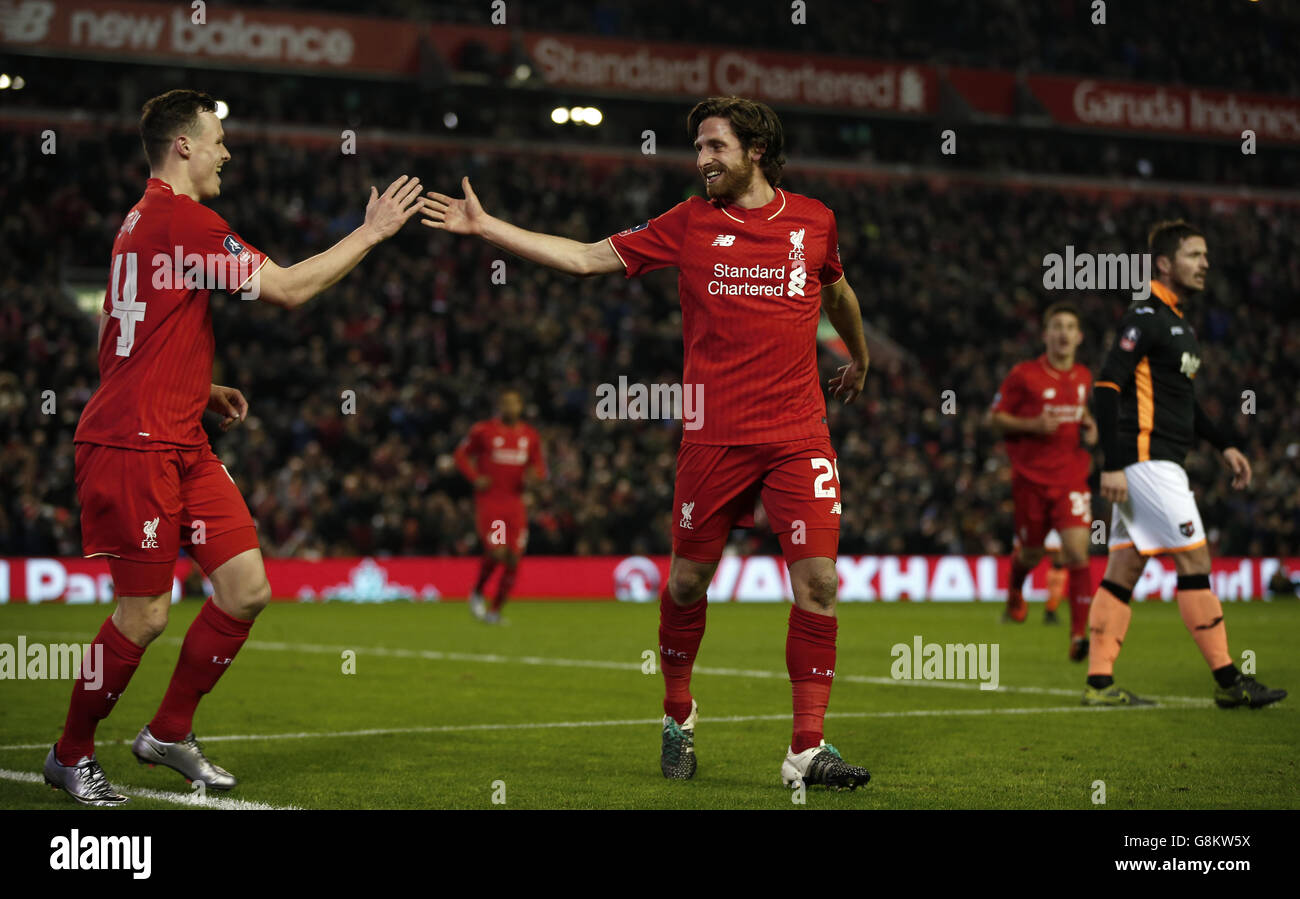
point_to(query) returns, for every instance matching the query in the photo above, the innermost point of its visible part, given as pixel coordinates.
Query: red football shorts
(502, 521)
(1040, 508)
(139, 508)
(717, 487)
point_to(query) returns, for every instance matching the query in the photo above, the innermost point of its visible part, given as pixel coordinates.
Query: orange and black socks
(1108, 621)
(1203, 615)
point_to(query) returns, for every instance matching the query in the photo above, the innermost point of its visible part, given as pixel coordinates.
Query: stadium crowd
(949, 275)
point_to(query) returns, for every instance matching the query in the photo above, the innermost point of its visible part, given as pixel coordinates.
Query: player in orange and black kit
(494, 458)
(1042, 407)
(1147, 418)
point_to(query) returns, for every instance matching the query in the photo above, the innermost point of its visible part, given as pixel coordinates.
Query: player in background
(1147, 416)
(147, 479)
(495, 457)
(1042, 409)
(1057, 577)
(757, 265)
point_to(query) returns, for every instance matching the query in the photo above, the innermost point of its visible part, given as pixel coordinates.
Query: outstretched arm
(295, 285)
(444, 213)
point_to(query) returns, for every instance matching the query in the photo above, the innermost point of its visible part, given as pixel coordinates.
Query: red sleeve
(231, 260)
(656, 244)
(1009, 394)
(467, 452)
(536, 458)
(832, 269)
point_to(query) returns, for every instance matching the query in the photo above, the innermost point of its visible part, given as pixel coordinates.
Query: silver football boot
(84, 781)
(184, 756)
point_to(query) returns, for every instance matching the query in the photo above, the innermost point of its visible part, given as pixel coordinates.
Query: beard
(732, 182)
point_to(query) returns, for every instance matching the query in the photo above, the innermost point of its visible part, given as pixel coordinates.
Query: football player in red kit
(495, 457)
(147, 479)
(757, 265)
(1042, 408)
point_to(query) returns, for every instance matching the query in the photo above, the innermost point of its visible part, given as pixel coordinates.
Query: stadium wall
(623, 578)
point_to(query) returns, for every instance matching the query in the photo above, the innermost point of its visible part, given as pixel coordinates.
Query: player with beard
(757, 265)
(1147, 416)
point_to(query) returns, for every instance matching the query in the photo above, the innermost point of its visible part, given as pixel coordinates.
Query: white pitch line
(191, 799)
(626, 722)
(435, 655)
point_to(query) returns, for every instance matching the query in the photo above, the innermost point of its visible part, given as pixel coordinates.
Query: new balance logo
(687, 508)
(150, 540)
(724, 240)
(835, 509)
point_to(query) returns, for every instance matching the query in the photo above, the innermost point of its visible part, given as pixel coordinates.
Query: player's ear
(182, 145)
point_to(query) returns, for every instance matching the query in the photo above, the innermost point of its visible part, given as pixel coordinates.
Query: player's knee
(249, 600)
(687, 587)
(822, 588)
(1030, 556)
(143, 622)
(1072, 558)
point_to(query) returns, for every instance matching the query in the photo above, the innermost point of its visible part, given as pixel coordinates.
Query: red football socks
(680, 631)
(1080, 599)
(117, 658)
(210, 645)
(503, 587)
(1015, 596)
(485, 569)
(810, 659)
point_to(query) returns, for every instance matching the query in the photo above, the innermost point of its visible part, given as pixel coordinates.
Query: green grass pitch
(555, 711)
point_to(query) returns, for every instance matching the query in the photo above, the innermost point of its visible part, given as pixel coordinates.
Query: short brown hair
(755, 124)
(1062, 307)
(168, 115)
(1165, 238)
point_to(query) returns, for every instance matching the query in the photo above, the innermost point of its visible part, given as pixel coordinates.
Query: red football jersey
(155, 356)
(1035, 387)
(750, 283)
(502, 452)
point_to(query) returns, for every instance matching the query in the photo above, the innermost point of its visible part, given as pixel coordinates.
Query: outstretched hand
(444, 213)
(848, 381)
(229, 403)
(386, 213)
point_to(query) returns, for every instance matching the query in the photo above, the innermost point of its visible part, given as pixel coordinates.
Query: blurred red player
(495, 457)
(1042, 409)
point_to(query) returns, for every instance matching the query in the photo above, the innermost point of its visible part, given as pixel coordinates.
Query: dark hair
(1065, 307)
(755, 124)
(1165, 238)
(168, 115)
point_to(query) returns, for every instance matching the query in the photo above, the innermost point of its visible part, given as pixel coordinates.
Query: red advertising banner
(627, 578)
(245, 38)
(701, 71)
(1179, 111)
